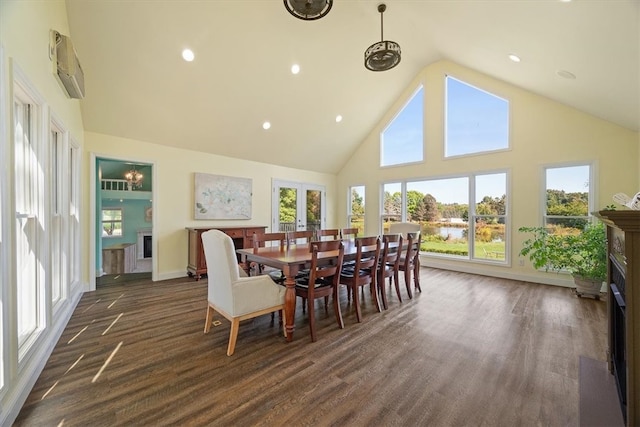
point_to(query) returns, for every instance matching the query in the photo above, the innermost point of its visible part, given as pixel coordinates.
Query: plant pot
(587, 287)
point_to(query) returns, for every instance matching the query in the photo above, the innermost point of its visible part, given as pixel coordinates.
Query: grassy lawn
(494, 250)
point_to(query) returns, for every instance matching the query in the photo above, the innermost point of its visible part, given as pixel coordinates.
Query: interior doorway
(123, 220)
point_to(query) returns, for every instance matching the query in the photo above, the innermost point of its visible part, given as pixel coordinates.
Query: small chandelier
(383, 55)
(134, 178)
(308, 10)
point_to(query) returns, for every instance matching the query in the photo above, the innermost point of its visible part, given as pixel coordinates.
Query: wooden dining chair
(410, 262)
(323, 280)
(328, 234)
(278, 240)
(363, 271)
(348, 233)
(295, 237)
(389, 264)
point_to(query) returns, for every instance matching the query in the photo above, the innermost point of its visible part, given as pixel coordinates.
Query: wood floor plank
(468, 350)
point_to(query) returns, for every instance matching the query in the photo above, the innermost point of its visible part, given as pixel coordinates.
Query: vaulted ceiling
(139, 87)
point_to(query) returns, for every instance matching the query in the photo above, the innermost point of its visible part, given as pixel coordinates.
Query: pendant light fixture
(308, 10)
(385, 54)
(134, 178)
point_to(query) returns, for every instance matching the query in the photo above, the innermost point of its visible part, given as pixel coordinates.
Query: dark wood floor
(469, 350)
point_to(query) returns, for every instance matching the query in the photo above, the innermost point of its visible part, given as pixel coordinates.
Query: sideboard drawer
(234, 234)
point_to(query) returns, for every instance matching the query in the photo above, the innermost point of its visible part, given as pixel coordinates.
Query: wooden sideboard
(242, 238)
(623, 308)
(119, 259)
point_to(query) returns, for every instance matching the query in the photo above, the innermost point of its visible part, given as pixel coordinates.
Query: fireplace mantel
(623, 307)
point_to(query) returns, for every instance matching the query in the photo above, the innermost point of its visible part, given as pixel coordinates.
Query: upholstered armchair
(234, 297)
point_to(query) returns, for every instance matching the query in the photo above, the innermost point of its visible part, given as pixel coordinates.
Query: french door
(297, 206)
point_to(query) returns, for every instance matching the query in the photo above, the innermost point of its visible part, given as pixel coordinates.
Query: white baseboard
(554, 279)
(172, 275)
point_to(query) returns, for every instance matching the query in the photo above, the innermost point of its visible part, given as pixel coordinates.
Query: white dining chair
(234, 297)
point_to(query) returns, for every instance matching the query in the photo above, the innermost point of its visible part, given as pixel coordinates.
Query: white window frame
(471, 179)
(591, 193)
(73, 213)
(473, 216)
(5, 227)
(33, 210)
(350, 214)
(58, 255)
(112, 208)
(401, 217)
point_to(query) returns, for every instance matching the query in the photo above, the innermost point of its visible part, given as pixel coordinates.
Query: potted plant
(583, 255)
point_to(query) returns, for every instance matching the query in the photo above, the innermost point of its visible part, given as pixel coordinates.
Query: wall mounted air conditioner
(66, 66)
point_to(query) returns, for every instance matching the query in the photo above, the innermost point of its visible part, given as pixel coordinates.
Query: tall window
(568, 197)
(401, 142)
(391, 205)
(58, 256)
(112, 222)
(489, 216)
(476, 121)
(28, 179)
(356, 208)
(73, 213)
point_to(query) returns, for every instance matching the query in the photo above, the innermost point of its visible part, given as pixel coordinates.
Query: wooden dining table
(290, 259)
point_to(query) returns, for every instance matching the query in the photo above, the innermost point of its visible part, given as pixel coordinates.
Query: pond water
(454, 232)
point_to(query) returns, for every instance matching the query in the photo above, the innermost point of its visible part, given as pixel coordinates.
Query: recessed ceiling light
(188, 55)
(566, 74)
(266, 125)
(295, 68)
(514, 58)
(338, 118)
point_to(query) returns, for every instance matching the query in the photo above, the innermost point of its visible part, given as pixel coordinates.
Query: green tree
(313, 206)
(414, 199)
(392, 203)
(567, 204)
(357, 203)
(427, 210)
(288, 205)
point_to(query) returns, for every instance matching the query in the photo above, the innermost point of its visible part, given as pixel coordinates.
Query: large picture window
(464, 217)
(476, 121)
(401, 142)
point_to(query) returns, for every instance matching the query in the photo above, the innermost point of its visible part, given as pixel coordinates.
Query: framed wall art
(222, 197)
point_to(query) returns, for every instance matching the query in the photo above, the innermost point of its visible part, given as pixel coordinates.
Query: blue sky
(570, 179)
(475, 120)
(405, 131)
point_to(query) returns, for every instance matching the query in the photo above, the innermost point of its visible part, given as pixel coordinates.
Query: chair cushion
(277, 276)
(320, 283)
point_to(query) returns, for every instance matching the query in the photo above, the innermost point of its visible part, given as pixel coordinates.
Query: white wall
(542, 132)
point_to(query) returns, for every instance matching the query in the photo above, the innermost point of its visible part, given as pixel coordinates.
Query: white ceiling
(139, 87)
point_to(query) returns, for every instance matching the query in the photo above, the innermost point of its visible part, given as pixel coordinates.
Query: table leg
(290, 300)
